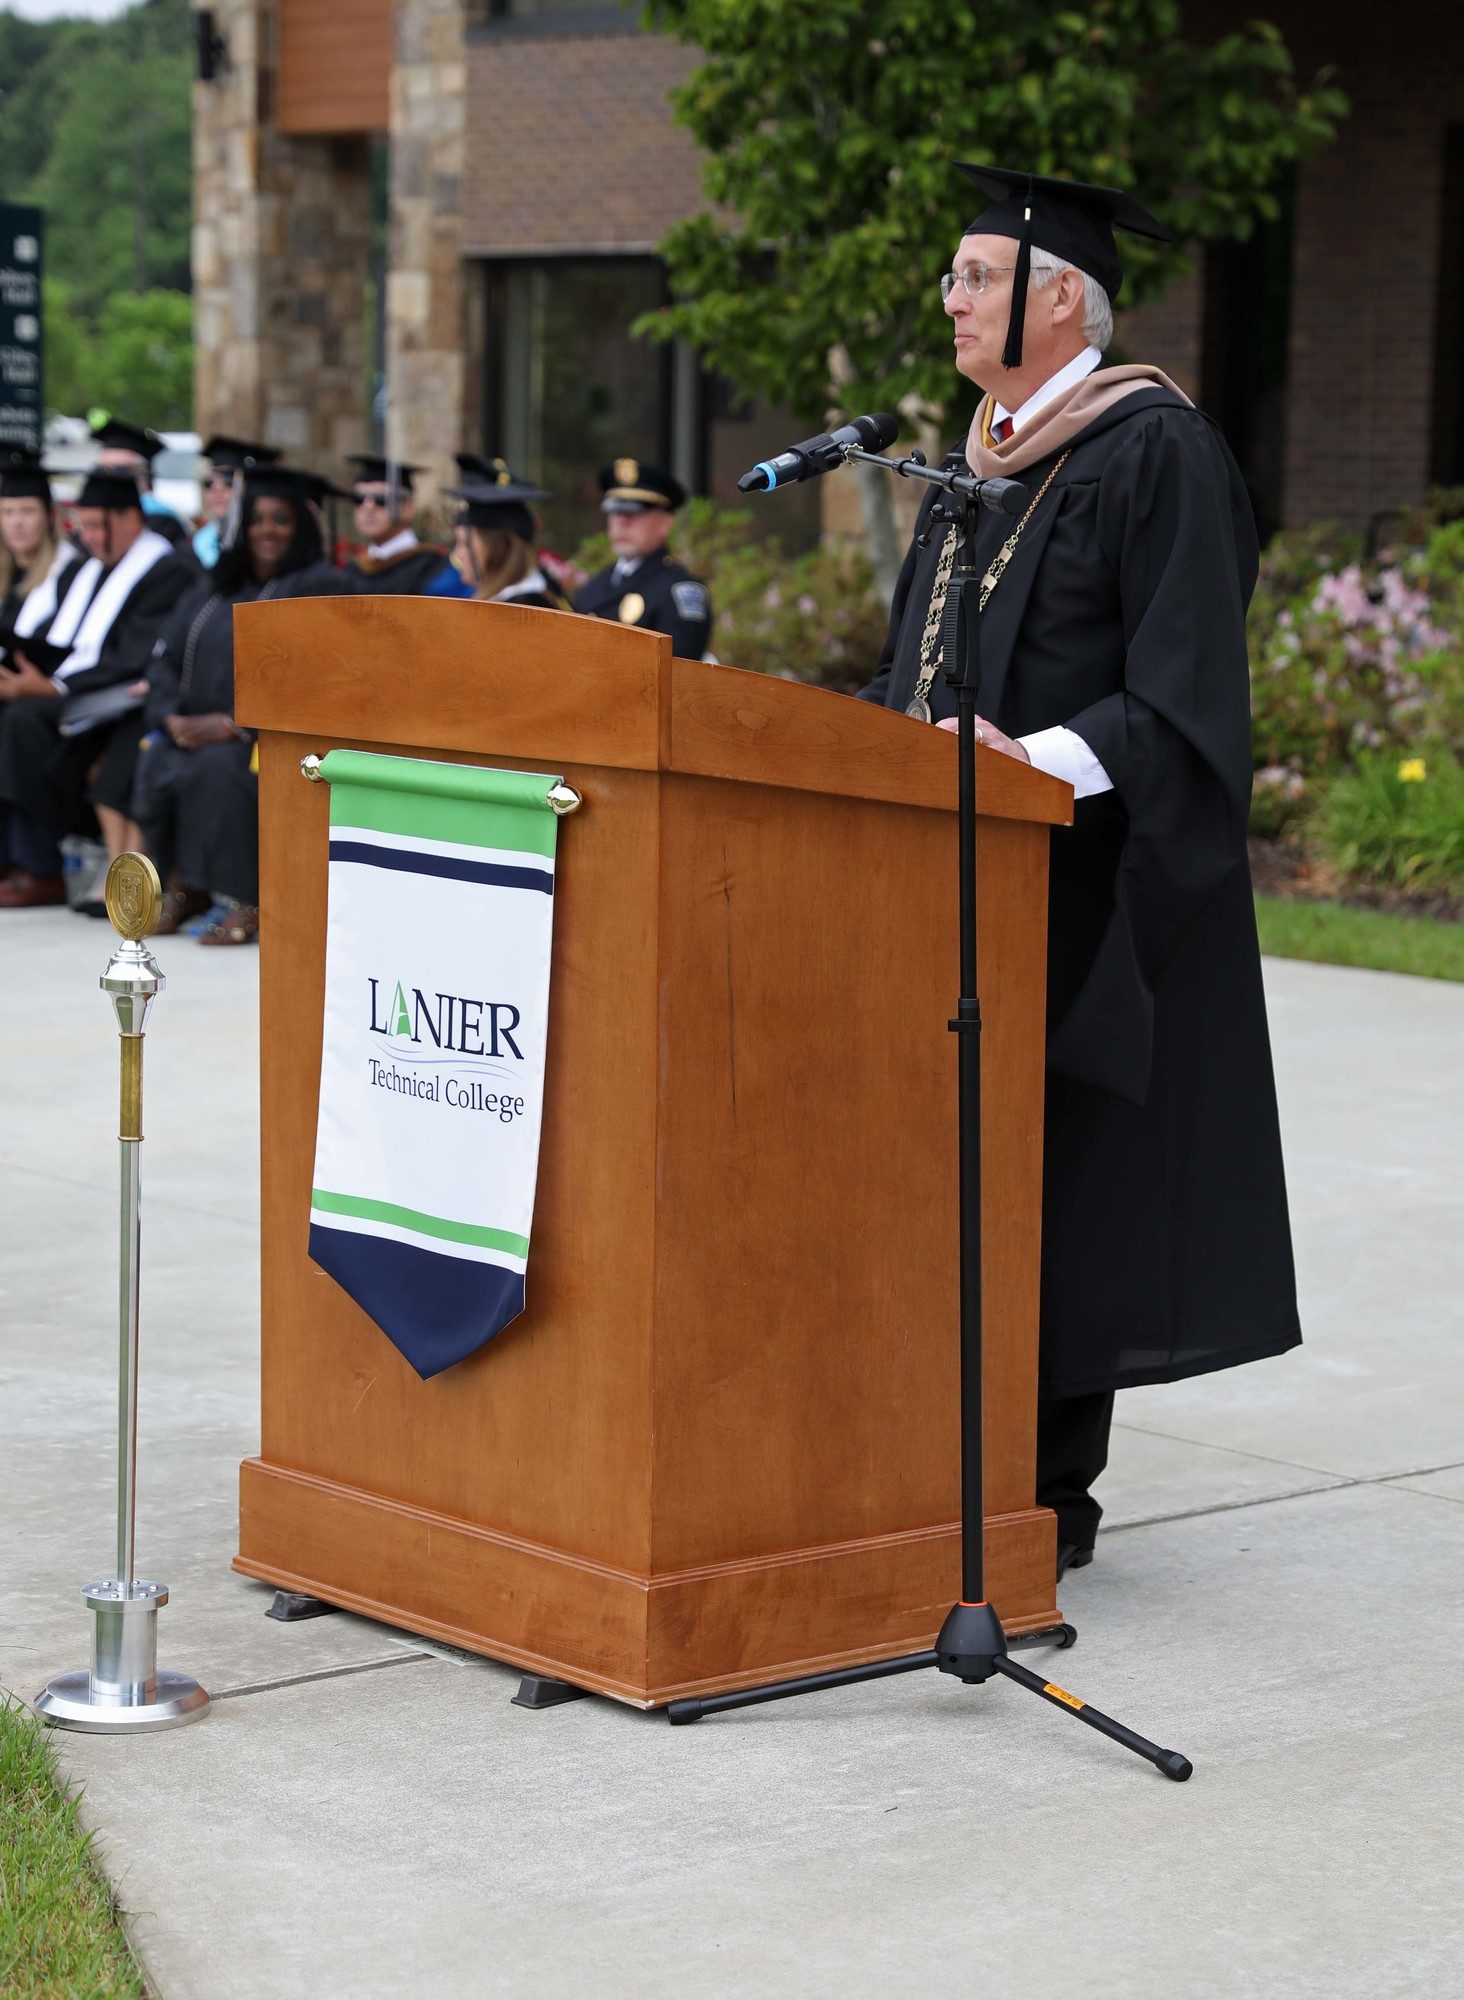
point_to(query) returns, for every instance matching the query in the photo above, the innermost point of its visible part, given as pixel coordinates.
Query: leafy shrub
(814, 617)
(1396, 820)
(1351, 656)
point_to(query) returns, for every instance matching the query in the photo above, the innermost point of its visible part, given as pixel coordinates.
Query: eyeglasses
(975, 277)
(371, 496)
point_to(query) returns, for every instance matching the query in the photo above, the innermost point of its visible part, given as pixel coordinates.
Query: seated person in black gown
(37, 563)
(393, 563)
(62, 695)
(493, 546)
(195, 793)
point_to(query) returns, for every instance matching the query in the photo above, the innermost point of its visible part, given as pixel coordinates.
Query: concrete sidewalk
(1277, 1593)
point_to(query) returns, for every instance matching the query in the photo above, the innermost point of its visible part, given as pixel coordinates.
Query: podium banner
(436, 1023)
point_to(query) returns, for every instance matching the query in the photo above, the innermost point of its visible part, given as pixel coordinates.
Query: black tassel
(1011, 354)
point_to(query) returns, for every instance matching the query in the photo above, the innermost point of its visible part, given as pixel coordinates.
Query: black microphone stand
(971, 1644)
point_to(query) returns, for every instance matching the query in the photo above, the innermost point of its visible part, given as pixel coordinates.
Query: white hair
(1097, 306)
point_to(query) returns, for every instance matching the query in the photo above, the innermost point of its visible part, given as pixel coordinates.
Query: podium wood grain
(721, 1441)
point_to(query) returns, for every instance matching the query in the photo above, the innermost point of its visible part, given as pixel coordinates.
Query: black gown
(1166, 1242)
(406, 575)
(199, 809)
(658, 595)
(13, 603)
(43, 774)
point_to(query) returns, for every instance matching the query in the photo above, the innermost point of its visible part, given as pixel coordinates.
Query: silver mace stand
(123, 1689)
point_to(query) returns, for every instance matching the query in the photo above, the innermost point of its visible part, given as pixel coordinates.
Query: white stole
(40, 602)
(84, 620)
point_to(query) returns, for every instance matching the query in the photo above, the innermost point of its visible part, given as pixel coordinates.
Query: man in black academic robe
(62, 696)
(393, 562)
(644, 586)
(1112, 651)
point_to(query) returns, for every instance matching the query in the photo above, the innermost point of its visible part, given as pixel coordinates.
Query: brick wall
(1366, 262)
(571, 145)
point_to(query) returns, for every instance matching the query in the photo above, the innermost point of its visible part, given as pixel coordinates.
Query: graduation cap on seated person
(111, 487)
(279, 482)
(633, 486)
(373, 468)
(494, 497)
(232, 454)
(22, 476)
(1068, 218)
(116, 434)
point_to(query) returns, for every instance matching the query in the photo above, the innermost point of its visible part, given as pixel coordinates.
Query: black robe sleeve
(1175, 526)
(128, 647)
(165, 668)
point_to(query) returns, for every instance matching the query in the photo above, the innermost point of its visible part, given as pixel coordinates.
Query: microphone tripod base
(973, 1648)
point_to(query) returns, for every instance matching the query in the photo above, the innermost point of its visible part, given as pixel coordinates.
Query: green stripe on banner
(424, 1225)
(461, 803)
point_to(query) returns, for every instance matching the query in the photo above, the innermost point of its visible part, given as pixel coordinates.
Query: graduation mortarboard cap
(290, 482)
(22, 476)
(1068, 218)
(494, 497)
(631, 486)
(116, 434)
(374, 467)
(231, 454)
(275, 482)
(108, 486)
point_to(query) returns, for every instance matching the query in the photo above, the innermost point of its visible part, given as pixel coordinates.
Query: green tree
(94, 126)
(829, 128)
(135, 357)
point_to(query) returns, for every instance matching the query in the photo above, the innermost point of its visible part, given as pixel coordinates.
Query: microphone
(817, 455)
(1004, 496)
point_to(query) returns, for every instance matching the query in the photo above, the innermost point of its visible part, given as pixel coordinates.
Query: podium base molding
(643, 1640)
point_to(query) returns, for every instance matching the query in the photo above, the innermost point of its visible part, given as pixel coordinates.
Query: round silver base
(70, 1702)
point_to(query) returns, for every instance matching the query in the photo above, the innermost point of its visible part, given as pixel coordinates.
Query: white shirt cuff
(1062, 753)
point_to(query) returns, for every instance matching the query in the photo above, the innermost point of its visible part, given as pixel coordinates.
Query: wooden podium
(720, 1445)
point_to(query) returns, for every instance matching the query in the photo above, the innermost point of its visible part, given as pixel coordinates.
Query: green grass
(1336, 935)
(60, 1934)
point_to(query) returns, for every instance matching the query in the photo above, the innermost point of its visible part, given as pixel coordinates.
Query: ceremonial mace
(971, 1644)
(124, 1690)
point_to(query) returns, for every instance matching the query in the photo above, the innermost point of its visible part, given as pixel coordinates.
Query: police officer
(643, 586)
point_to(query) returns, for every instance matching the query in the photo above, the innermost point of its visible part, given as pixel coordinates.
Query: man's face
(979, 323)
(375, 519)
(108, 532)
(636, 535)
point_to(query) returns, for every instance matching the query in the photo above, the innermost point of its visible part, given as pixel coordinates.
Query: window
(1446, 466)
(1245, 362)
(568, 386)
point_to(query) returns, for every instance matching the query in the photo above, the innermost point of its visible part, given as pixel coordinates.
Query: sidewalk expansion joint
(1339, 1484)
(323, 1674)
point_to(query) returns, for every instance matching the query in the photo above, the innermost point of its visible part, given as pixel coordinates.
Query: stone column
(431, 308)
(281, 244)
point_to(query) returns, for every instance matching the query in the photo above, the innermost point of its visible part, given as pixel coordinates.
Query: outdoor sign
(20, 325)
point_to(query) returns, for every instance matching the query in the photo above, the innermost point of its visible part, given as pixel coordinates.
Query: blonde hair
(38, 568)
(500, 558)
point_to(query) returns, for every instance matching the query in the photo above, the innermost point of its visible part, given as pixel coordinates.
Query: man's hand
(992, 737)
(23, 679)
(191, 732)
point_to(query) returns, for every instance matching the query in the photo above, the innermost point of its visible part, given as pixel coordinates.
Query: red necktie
(1002, 429)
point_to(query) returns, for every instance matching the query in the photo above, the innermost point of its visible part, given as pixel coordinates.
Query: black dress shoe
(1070, 1556)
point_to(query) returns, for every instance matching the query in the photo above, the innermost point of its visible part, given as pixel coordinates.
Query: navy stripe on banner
(435, 1308)
(494, 872)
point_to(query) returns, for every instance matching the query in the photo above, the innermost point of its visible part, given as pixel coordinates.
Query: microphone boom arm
(1000, 496)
